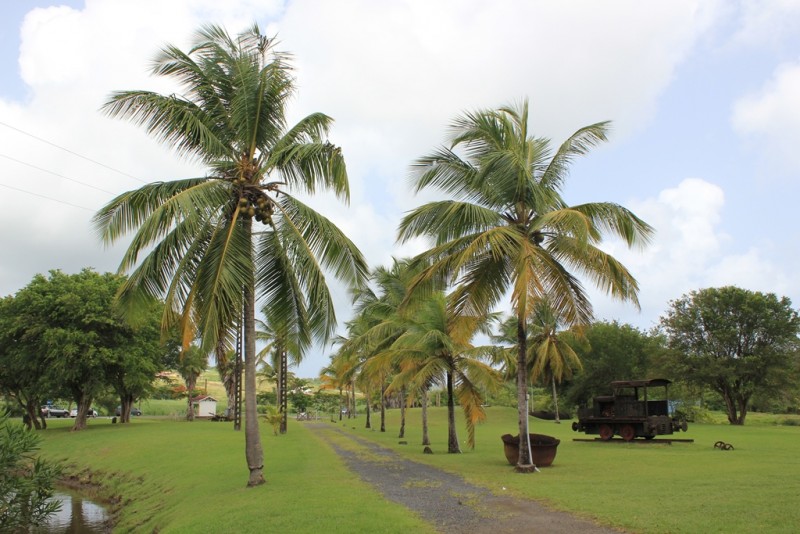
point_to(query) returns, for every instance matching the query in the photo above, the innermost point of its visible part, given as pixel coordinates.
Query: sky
(703, 95)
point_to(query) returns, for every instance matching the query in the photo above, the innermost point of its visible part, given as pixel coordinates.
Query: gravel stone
(445, 500)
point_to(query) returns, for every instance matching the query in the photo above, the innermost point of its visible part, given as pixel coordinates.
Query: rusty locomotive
(630, 412)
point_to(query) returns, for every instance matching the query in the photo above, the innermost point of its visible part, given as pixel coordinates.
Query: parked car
(54, 411)
(134, 411)
(91, 413)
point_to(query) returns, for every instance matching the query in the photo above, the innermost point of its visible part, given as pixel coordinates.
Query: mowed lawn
(189, 477)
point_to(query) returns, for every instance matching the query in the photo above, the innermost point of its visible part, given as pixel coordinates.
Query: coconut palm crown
(215, 244)
(507, 227)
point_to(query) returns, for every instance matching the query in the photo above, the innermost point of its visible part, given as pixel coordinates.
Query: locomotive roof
(653, 382)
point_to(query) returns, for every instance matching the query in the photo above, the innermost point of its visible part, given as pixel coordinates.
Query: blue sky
(703, 96)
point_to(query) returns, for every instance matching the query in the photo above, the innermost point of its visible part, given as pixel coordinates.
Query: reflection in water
(77, 516)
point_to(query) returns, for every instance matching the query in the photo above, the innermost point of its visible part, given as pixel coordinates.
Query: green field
(174, 476)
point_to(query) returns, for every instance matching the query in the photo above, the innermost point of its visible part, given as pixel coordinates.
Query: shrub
(26, 484)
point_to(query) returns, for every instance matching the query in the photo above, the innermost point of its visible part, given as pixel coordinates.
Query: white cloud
(691, 250)
(767, 21)
(772, 117)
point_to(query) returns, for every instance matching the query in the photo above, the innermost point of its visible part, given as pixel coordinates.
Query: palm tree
(435, 347)
(551, 353)
(554, 356)
(191, 364)
(207, 255)
(284, 338)
(509, 229)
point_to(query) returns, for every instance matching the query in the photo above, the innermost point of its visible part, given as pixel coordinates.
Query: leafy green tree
(508, 228)
(133, 372)
(613, 351)
(26, 482)
(213, 245)
(23, 372)
(735, 341)
(71, 326)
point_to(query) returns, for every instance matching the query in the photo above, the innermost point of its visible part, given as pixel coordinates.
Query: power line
(46, 197)
(55, 174)
(72, 152)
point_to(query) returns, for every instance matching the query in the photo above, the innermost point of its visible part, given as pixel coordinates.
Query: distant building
(204, 406)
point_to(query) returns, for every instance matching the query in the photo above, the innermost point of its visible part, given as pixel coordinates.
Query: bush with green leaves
(26, 482)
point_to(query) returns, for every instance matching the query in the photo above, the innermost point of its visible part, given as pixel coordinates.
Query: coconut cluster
(253, 203)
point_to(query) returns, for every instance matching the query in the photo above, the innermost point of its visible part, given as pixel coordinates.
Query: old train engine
(637, 408)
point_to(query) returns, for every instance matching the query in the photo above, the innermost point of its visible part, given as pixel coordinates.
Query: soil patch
(445, 500)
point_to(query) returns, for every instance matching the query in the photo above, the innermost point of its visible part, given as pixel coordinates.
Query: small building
(204, 406)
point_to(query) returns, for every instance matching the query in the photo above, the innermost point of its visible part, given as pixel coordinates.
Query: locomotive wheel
(606, 432)
(627, 432)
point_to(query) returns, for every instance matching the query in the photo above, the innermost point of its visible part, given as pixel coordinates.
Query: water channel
(77, 516)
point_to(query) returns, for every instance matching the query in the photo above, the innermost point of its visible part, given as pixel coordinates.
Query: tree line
(64, 337)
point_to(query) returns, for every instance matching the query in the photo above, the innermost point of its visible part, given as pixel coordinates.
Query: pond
(77, 516)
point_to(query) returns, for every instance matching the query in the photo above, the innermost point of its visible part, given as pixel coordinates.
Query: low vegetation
(174, 476)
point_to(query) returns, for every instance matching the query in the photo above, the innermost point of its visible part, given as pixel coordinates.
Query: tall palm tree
(551, 353)
(555, 359)
(436, 347)
(216, 244)
(284, 339)
(508, 227)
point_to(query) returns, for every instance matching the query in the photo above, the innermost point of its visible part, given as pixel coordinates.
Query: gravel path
(447, 501)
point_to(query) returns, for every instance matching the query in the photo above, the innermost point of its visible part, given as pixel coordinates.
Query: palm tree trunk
(452, 436)
(252, 438)
(555, 399)
(366, 395)
(425, 439)
(282, 389)
(402, 414)
(383, 405)
(190, 384)
(525, 462)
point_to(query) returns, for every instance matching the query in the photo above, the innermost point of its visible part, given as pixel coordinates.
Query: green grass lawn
(690, 487)
(175, 476)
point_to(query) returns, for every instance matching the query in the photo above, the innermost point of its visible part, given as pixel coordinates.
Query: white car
(90, 413)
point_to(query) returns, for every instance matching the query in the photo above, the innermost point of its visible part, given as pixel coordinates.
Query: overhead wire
(72, 152)
(46, 197)
(54, 173)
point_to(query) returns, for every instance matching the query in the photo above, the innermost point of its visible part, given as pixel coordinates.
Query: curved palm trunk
(452, 436)
(525, 462)
(425, 439)
(252, 438)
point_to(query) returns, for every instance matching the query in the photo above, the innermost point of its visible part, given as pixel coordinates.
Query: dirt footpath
(447, 501)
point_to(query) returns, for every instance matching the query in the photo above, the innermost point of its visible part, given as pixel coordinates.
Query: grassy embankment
(188, 477)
